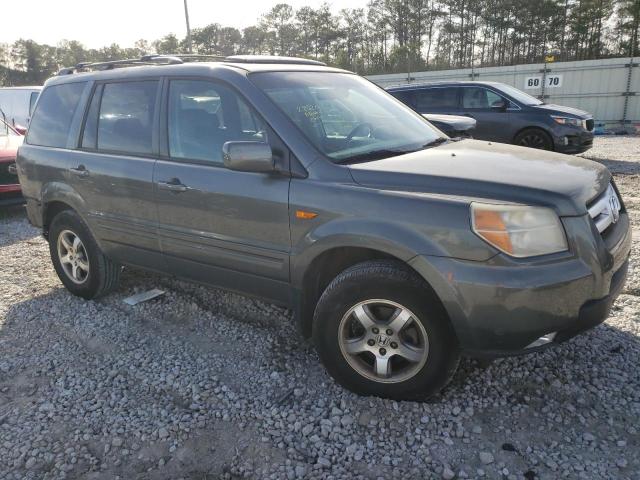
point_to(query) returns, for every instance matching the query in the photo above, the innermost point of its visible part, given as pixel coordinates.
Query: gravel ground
(204, 384)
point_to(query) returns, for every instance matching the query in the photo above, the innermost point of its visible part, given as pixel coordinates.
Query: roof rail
(272, 59)
(151, 59)
(182, 57)
(178, 59)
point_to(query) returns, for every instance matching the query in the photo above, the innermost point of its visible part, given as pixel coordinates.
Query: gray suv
(397, 248)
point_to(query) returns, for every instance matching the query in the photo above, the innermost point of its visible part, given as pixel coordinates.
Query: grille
(590, 124)
(605, 210)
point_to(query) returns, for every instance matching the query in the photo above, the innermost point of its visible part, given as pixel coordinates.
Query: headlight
(519, 230)
(574, 122)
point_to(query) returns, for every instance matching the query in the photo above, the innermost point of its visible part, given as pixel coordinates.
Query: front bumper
(572, 140)
(503, 306)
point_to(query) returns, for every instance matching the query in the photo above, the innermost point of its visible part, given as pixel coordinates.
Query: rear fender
(61, 192)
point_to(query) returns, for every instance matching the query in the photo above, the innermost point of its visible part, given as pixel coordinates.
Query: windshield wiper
(374, 155)
(436, 142)
(386, 153)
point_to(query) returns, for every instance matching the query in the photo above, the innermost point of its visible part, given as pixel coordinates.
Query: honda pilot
(398, 249)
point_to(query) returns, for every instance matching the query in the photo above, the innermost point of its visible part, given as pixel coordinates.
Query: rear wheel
(80, 264)
(380, 330)
(534, 138)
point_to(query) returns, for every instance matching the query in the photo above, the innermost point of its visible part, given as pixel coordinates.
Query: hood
(9, 146)
(560, 109)
(493, 171)
(456, 122)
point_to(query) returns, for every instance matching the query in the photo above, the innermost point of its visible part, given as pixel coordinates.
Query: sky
(98, 23)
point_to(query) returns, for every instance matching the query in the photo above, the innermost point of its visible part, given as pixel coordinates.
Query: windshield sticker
(311, 111)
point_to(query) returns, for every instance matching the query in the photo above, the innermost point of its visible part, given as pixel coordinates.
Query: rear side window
(436, 98)
(52, 120)
(125, 122)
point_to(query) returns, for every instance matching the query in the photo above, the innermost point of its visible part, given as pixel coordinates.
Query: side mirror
(499, 106)
(248, 157)
(20, 129)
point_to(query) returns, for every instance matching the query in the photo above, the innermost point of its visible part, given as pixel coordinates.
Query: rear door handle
(173, 185)
(81, 171)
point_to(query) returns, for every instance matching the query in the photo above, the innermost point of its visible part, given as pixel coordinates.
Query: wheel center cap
(383, 340)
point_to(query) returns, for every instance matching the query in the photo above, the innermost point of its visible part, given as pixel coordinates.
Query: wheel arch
(57, 197)
(535, 127)
(326, 266)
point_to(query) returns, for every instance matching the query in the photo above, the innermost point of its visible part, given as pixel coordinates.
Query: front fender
(391, 238)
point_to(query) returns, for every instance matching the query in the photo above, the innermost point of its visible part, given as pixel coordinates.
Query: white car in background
(17, 103)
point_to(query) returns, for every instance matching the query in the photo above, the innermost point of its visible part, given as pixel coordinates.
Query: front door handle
(81, 171)
(173, 185)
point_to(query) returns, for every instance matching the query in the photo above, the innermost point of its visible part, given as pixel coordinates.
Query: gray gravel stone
(448, 474)
(486, 458)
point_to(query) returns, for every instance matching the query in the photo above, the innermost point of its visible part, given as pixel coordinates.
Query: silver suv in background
(398, 248)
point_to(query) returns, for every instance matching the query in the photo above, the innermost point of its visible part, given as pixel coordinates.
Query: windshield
(519, 95)
(346, 117)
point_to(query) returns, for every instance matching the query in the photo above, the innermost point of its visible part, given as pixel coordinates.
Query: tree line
(388, 36)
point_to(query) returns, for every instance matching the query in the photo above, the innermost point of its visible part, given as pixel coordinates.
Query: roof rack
(272, 59)
(178, 59)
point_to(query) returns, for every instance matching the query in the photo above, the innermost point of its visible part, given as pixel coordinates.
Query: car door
(442, 99)
(490, 110)
(223, 227)
(113, 169)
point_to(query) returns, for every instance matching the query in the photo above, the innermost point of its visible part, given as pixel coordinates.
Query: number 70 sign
(551, 81)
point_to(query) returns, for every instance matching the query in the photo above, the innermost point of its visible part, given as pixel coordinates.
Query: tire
(385, 290)
(534, 138)
(95, 274)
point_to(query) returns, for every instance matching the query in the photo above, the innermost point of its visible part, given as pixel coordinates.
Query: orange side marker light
(305, 215)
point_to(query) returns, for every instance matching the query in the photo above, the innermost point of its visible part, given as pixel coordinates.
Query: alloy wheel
(383, 341)
(73, 256)
(533, 140)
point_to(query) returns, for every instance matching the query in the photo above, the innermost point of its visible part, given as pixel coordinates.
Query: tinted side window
(52, 119)
(125, 123)
(405, 96)
(479, 98)
(204, 115)
(436, 98)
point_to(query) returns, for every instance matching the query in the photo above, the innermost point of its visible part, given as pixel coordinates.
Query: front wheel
(534, 138)
(380, 330)
(77, 258)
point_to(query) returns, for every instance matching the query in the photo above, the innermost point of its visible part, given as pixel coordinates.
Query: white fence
(607, 88)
